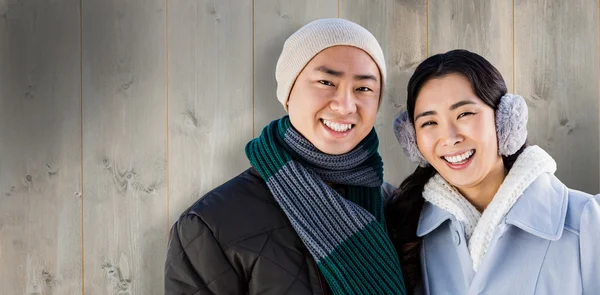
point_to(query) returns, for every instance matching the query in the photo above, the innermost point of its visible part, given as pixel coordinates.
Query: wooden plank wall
(210, 96)
(556, 68)
(124, 145)
(40, 148)
(480, 26)
(115, 116)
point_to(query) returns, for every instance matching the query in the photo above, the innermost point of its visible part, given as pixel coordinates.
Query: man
(307, 218)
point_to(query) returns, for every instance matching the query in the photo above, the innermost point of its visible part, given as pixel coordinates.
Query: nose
(344, 102)
(452, 135)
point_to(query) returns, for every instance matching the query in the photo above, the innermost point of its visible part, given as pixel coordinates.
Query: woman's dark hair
(404, 209)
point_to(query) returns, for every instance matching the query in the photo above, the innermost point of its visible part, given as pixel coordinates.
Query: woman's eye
(325, 82)
(465, 114)
(428, 123)
(364, 89)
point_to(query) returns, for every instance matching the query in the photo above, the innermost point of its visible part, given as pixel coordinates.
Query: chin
(463, 180)
(461, 183)
(457, 179)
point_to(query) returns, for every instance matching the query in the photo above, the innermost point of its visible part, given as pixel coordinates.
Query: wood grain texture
(186, 86)
(556, 70)
(210, 96)
(484, 27)
(274, 22)
(400, 27)
(40, 140)
(124, 146)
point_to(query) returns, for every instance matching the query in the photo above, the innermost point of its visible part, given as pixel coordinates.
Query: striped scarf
(346, 236)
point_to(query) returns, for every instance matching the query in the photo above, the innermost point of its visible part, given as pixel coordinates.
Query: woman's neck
(482, 194)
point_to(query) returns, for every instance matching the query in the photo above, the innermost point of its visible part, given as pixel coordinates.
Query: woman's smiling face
(456, 131)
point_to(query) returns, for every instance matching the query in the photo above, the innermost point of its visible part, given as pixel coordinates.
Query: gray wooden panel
(124, 145)
(401, 29)
(484, 27)
(210, 96)
(556, 70)
(274, 22)
(40, 139)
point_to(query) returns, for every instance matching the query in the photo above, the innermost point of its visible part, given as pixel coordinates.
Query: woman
(483, 213)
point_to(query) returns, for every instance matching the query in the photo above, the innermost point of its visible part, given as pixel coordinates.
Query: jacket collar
(431, 218)
(542, 209)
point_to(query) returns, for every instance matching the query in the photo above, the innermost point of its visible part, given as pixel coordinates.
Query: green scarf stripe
(386, 279)
(271, 160)
(372, 233)
(284, 127)
(375, 232)
(341, 287)
(377, 164)
(346, 236)
(345, 286)
(340, 258)
(374, 205)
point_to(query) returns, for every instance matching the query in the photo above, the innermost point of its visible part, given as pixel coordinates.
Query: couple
(482, 213)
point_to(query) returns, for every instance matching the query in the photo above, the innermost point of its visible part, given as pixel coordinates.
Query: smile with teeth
(459, 159)
(337, 126)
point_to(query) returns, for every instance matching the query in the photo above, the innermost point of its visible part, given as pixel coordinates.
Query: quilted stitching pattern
(236, 240)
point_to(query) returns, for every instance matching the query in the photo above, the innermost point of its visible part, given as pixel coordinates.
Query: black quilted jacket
(237, 240)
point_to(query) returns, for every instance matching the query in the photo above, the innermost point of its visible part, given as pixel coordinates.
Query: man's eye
(364, 89)
(325, 82)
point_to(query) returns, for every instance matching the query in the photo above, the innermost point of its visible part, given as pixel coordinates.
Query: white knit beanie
(313, 38)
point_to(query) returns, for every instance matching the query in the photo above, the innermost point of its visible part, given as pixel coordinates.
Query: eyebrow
(329, 71)
(452, 107)
(423, 114)
(365, 77)
(460, 104)
(335, 73)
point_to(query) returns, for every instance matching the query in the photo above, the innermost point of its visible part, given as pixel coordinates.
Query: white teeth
(337, 127)
(459, 158)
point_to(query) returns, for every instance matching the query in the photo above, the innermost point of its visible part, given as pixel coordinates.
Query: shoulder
(584, 218)
(550, 193)
(583, 208)
(240, 208)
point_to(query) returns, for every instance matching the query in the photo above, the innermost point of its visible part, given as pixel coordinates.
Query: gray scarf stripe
(359, 215)
(315, 230)
(315, 157)
(333, 234)
(298, 205)
(338, 203)
(308, 201)
(349, 177)
(303, 226)
(300, 225)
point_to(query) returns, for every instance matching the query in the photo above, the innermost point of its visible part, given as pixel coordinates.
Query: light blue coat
(548, 243)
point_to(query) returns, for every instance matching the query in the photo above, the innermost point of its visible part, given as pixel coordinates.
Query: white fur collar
(479, 228)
